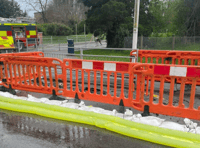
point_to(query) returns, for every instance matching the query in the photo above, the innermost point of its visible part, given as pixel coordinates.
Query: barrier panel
(2, 56)
(168, 57)
(169, 102)
(98, 81)
(35, 54)
(30, 74)
(114, 77)
(109, 82)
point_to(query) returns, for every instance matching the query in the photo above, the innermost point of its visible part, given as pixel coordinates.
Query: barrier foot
(121, 107)
(55, 97)
(76, 99)
(10, 90)
(146, 111)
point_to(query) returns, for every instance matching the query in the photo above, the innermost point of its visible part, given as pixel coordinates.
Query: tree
(158, 10)
(68, 12)
(10, 9)
(40, 6)
(107, 19)
(187, 18)
(110, 16)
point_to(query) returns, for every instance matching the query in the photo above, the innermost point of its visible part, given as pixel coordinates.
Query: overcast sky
(24, 7)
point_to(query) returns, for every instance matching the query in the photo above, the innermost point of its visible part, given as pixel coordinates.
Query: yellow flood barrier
(125, 127)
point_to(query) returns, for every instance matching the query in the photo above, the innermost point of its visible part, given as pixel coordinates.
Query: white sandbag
(53, 102)
(151, 120)
(129, 112)
(70, 105)
(198, 130)
(174, 126)
(43, 100)
(33, 99)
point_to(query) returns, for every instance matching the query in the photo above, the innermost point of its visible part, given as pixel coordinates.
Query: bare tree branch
(39, 6)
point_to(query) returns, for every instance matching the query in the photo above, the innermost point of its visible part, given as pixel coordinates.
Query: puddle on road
(21, 130)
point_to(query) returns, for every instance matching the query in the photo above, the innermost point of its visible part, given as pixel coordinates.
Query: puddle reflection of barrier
(44, 75)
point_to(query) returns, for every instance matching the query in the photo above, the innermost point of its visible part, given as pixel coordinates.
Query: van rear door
(6, 38)
(31, 34)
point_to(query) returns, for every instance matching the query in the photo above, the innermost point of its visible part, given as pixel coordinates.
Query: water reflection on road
(18, 130)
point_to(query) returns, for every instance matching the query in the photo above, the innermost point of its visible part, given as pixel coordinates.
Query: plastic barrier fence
(2, 60)
(99, 81)
(168, 57)
(89, 80)
(169, 101)
(37, 54)
(25, 73)
(109, 82)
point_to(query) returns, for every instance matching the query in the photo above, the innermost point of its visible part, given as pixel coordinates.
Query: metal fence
(63, 39)
(163, 43)
(80, 54)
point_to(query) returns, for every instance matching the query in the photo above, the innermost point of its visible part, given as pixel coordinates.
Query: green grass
(187, 47)
(107, 53)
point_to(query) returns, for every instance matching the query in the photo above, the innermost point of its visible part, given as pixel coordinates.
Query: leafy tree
(80, 28)
(110, 16)
(158, 9)
(107, 19)
(55, 29)
(10, 9)
(187, 18)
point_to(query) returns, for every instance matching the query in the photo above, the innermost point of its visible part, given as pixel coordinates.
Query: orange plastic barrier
(168, 57)
(35, 54)
(108, 82)
(2, 56)
(25, 73)
(101, 83)
(169, 102)
(71, 73)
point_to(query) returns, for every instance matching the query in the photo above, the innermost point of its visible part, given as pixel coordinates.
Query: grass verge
(107, 53)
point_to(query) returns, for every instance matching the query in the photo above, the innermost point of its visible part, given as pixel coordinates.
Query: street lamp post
(135, 29)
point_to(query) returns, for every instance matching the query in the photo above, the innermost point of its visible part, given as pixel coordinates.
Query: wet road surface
(19, 130)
